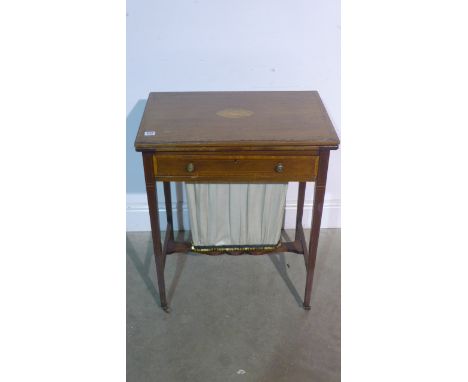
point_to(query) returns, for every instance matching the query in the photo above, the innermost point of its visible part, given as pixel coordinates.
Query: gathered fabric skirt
(236, 215)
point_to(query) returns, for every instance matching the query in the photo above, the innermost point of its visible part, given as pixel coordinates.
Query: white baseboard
(138, 218)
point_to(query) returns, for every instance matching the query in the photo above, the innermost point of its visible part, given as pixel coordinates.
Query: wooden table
(231, 137)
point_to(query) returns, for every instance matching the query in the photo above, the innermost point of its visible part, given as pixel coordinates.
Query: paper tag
(150, 133)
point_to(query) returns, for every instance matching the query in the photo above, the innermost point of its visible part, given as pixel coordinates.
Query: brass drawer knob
(190, 167)
(279, 167)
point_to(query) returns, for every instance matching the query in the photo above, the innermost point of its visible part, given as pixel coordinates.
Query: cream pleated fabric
(236, 214)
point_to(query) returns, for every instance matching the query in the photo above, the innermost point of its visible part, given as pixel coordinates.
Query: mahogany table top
(181, 121)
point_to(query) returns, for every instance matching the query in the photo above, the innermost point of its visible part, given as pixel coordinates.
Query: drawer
(235, 168)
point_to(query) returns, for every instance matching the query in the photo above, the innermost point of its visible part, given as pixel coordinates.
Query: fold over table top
(272, 120)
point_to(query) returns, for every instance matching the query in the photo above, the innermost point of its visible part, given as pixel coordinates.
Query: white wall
(231, 45)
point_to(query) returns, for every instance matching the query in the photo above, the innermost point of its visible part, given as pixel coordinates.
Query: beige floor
(233, 318)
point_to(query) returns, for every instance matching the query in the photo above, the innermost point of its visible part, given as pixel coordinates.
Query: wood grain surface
(235, 120)
(235, 168)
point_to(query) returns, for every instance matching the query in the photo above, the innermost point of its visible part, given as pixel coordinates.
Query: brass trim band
(231, 248)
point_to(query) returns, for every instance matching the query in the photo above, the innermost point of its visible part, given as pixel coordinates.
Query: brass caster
(165, 308)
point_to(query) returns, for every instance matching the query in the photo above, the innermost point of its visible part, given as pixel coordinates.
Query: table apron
(232, 168)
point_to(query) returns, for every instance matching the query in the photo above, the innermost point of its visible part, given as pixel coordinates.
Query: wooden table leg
(319, 195)
(300, 208)
(168, 201)
(154, 219)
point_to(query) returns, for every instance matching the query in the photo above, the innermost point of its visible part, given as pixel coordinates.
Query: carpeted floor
(233, 318)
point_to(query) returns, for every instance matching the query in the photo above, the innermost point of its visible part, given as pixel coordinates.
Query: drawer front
(235, 168)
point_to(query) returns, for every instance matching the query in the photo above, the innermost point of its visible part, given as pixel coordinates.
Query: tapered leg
(168, 200)
(300, 207)
(319, 195)
(154, 219)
